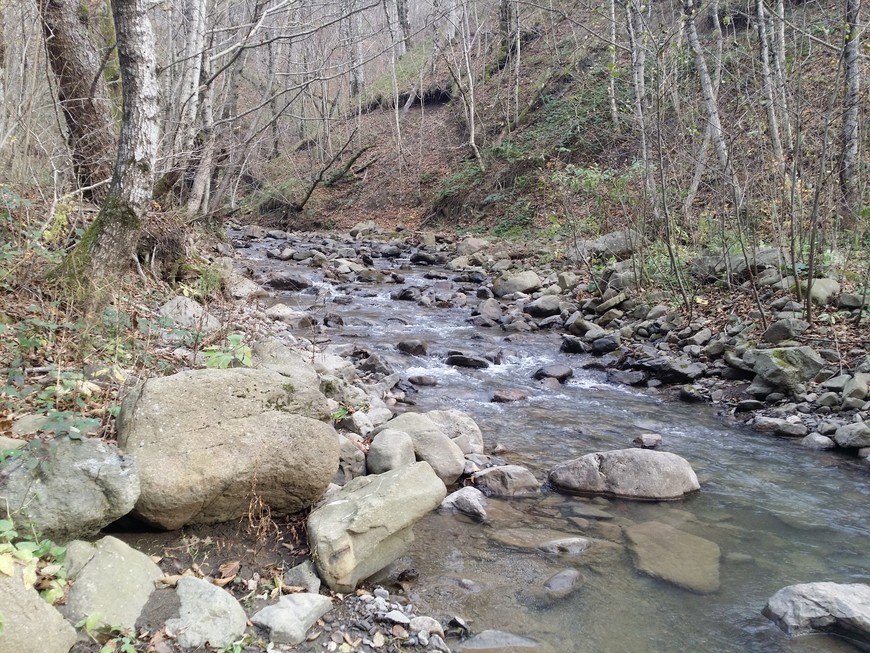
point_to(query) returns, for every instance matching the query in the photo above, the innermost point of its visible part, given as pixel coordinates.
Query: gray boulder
(431, 444)
(507, 481)
(786, 367)
(87, 485)
(785, 329)
(208, 439)
(627, 474)
(674, 556)
(241, 288)
(184, 313)
(857, 386)
(544, 306)
(525, 282)
(111, 580)
(619, 244)
(367, 524)
(390, 449)
(208, 615)
(288, 620)
(29, 623)
(298, 320)
(853, 436)
(467, 500)
(810, 607)
(352, 461)
(460, 428)
(303, 575)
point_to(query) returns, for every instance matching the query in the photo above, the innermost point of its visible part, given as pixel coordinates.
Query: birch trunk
(109, 245)
(768, 86)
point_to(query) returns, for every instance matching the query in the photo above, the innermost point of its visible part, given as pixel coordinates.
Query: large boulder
(809, 607)
(111, 580)
(686, 560)
(390, 449)
(86, 485)
(207, 441)
(786, 367)
(431, 444)
(460, 428)
(627, 474)
(367, 524)
(525, 282)
(617, 244)
(29, 623)
(853, 436)
(507, 481)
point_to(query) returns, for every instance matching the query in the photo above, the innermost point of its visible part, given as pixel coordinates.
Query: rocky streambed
(514, 466)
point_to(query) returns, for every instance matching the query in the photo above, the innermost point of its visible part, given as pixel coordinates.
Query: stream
(779, 513)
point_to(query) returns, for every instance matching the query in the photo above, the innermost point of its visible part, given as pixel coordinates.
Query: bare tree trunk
(849, 163)
(717, 133)
(404, 22)
(768, 86)
(200, 191)
(611, 82)
(81, 92)
(108, 247)
(779, 65)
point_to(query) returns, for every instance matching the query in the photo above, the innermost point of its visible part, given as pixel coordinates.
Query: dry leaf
(314, 635)
(230, 569)
(222, 582)
(378, 639)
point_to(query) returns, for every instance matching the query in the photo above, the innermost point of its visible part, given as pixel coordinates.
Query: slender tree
(108, 247)
(851, 135)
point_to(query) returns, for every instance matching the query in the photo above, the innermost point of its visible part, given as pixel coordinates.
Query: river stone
(459, 427)
(618, 244)
(471, 245)
(524, 282)
(853, 436)
(785, 329)
(562, 584)
(507, 481)
(818, 441)
(272, 354)
(299, 320)
(426, 624)
(559, 372)
(765, 424)
(464, 360)
(366, 525)
(627, 474)
(530, 539)
(544, 306)
(187, 314)
(508, 395)
(87, 485)
(303, 575)
(467, 500)
(390, 449)
(29, 623)
(805, 608)
(431, 444)
(289, 620)
(786, 367)
(241, 288)
(209, 615)
(351, 461)
(207, 439)
(288, 280)
(111, 580)
(857, 386)
(674, 556)
(497, 641)
(490, 308)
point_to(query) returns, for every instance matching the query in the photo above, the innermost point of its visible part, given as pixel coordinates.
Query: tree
(81, 92)
(849, 162)
(108, 247)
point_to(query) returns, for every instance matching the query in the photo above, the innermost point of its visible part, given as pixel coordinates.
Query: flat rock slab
(664, 552)
(288, 621)
(29, 623)
(809, 607)
(497, 641)
(208, 615)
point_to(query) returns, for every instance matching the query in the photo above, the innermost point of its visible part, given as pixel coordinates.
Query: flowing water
(779, 513)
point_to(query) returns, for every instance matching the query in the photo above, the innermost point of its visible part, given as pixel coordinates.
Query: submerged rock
(677, 557)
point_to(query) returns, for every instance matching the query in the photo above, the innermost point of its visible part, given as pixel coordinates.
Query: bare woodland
(719, 124)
